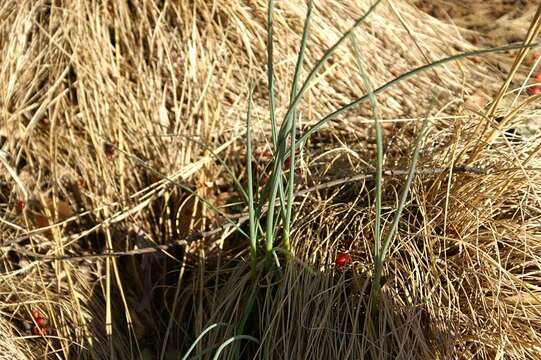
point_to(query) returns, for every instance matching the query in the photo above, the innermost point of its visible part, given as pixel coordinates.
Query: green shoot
(293, 129)
(250, 193)
(379, 260)
(293, 105)
(379, 147)
(276, 173)
(270, 69)
(286, 127)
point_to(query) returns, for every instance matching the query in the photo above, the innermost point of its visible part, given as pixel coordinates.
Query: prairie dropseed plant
(284, 135)
(409, 233)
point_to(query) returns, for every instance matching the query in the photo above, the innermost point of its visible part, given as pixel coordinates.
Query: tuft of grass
(118, 158)
(287, 131)
(274, 189)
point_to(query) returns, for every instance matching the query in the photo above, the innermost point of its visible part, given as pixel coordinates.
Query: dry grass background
(109, 110)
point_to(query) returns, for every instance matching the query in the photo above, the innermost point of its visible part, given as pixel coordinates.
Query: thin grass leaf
(208, 329)
(227, 169)
(217, 157)
(270, 72)
(297, 74)
(379, 145)
(270, 69)
(290, 186)
(282, 137)
(402, 77)
(271, 201)
(282, 196)
(293, 134)
(325, 57)
(409, 180)
(302, 51)
(230, 340)
(380, 259)
(250, 192)
(275, 181)
(205, 351)
(207, 148)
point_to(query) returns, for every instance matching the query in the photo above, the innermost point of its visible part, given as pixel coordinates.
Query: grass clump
(124, 162)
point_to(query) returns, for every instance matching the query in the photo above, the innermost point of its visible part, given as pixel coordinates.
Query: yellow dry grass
(110, 112)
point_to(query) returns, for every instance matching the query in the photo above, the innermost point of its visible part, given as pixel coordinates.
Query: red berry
(342, 259)
(42, 322)
(537, 78)
(38, 331)
(21, 204)
(535, 90)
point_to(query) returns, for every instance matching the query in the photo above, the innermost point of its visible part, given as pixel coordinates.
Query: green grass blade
(230, 340)
(379, 146)
(402, 77)
(324, 58)
(282, 198)
(271, 201)
(205, 351)
(302, 51)
(224, 164)
(250, 192)
(143, 163)
(407, 187)
(380, 259)
(270, 70)
(293, 127)
(297, 74)
(217, 157)
(272, 188)
(290, 186)
(208, 329)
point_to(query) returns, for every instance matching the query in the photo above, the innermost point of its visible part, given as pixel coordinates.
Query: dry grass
(110, 112)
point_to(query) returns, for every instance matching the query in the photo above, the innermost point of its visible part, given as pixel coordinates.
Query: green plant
(287, 132)
(273, 192)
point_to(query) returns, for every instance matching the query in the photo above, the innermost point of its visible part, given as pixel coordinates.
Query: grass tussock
(123, 131)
